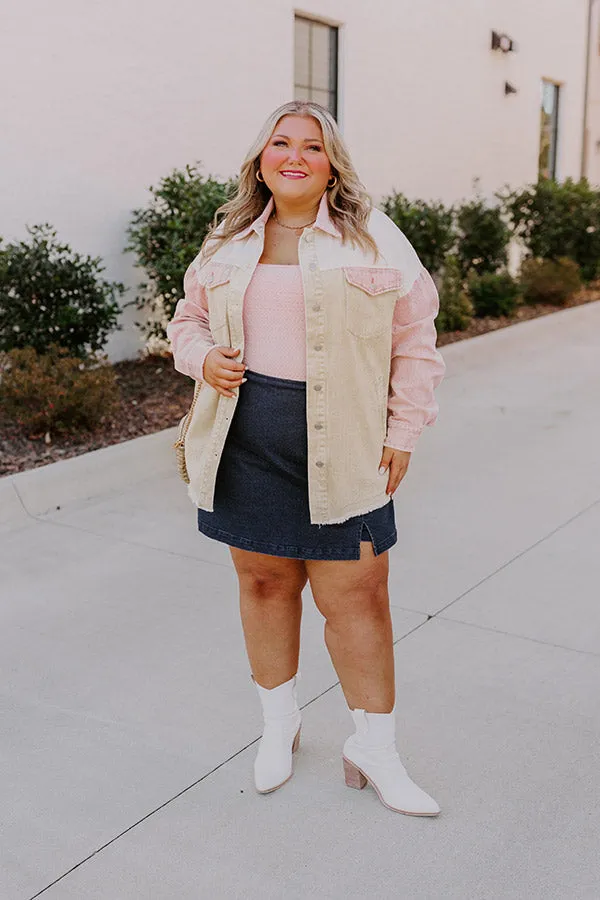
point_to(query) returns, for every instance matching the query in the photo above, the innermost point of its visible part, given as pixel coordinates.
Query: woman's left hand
(395, 462)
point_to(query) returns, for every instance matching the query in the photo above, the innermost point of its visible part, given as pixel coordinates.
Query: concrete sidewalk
(129, 723)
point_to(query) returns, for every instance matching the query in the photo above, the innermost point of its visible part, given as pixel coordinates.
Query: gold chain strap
(184, 425)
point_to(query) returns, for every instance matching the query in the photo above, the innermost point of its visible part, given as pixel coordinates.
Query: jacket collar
(323, 221)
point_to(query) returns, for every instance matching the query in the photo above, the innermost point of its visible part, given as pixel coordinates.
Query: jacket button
(317, 307)
(318, 387)
(318, 347)
(319, 426)
(319, 463)
(312, 266)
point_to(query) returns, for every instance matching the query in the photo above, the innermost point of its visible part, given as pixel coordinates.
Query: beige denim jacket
(370, 336)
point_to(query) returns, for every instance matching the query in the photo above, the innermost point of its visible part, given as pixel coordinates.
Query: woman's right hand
(221, 370)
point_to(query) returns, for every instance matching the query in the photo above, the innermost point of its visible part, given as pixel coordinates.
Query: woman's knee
(372, 604)
(352, 590)
(265, 586)
(266, 581)
(367, 606)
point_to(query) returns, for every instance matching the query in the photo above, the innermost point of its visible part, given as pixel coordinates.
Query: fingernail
(382, 470)
(244, 380)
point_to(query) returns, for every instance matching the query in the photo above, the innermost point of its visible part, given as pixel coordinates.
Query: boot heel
(296, 743)
(353, 776)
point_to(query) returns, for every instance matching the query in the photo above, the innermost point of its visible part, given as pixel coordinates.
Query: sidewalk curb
(45, 489)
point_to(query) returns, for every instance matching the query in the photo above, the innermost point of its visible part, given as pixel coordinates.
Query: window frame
(334, 60)
(554, 129)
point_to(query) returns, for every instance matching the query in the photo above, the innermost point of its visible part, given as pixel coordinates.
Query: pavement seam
(304, 706)
(189, 787)
(119, 540)
(74, 503)
(516, 557)
(143, 819)
(513, 634)
(429, 617)
(418, 626)
(20, 499)
(438, 614)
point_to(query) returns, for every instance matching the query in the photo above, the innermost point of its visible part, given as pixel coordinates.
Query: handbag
(182, 430)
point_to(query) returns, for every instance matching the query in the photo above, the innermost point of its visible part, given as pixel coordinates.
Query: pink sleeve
(417, 367)
(188, 330)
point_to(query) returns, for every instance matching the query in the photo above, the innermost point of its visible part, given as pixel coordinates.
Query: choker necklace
(293, 227)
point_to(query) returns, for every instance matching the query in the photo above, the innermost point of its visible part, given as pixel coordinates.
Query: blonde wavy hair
(349, 203)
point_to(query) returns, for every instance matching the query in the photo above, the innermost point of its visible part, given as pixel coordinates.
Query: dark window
(316, 63)
(549, 129)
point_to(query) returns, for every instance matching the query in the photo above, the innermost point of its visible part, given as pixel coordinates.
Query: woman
(308, 320)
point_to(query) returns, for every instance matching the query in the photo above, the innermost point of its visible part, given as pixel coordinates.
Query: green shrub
(54, 391)
(494, 294)
(428, 226)
(166, 236)
(50, 294)
(456, 309)
(483, 237)
(549, 281)
(558, 220)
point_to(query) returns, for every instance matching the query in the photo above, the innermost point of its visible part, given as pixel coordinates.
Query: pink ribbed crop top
(274, 322)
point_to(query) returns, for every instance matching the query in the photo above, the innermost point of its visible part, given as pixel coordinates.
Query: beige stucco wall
(105, 98)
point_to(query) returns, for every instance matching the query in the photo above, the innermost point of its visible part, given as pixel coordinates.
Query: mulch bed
(154, 396)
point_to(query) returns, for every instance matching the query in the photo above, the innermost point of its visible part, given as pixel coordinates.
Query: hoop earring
(259, 177)
(335, 181)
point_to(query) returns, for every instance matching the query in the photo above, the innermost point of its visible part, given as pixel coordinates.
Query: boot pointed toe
(370, 756)
(273, 763)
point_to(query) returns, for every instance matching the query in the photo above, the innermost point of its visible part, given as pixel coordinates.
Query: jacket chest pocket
(371, 295)
(216, 281)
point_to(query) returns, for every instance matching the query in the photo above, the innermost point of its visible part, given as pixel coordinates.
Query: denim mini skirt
(261, 492)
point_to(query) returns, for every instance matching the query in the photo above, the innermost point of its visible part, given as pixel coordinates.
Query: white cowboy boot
(371, 755)
(281, 735)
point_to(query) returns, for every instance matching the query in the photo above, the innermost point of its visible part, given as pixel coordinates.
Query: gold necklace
(293, 227)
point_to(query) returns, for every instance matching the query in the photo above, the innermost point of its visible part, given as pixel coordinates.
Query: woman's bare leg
(353, 597)
(271, 612)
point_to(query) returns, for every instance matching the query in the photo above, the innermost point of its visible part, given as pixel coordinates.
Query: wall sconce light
(509, 88)
(502, 42)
